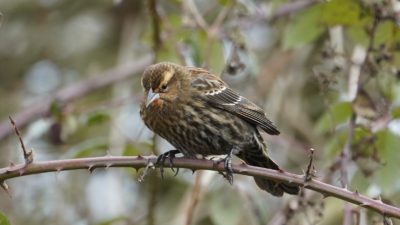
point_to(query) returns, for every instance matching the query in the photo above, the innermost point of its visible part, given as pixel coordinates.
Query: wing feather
(218, 94)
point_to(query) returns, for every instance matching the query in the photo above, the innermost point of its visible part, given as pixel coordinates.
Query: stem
(198, 164)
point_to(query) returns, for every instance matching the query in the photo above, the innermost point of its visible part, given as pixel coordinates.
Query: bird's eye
(163, 87)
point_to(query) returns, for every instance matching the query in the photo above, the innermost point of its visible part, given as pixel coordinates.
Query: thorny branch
(138, 162)
(194, 199)
(28, 154)
(310, 172)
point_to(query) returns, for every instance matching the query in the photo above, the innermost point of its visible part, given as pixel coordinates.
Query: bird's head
(164, 83)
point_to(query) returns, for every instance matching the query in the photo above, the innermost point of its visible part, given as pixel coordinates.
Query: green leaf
(196, 41)
(56, 111)
(396, 112)
(335, 145)
(396, 58)
(358, 35)
(97, 118)
(116, 220)
(385, 34)
(340, 12)
(224, 2)
(175, 20)
(167, 52)
(91, 147)
(360, 182)
(216, 57)
(337, 114)
(388, 146)
(130, 150)
(304, 28)
(3, 219)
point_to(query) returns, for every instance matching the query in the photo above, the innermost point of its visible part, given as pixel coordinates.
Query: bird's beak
(151, 97)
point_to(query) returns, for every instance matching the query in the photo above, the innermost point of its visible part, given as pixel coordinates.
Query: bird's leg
(161, 160)
(215, 163)
(228, 165)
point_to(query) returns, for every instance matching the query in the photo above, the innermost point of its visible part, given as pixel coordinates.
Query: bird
(200, 115)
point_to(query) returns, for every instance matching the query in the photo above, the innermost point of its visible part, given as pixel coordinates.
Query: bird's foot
(228, 167)
(161, 160)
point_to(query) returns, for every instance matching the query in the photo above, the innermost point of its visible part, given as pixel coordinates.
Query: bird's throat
(157, 103)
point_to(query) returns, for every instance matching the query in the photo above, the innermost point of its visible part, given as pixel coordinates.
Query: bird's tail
(261, 159)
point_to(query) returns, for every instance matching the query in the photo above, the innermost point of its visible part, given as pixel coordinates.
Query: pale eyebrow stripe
(167, 76)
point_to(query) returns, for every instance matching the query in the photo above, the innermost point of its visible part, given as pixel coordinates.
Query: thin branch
(199, 164)
(28, 154)
(196, 14)
(155, 21)
(345, 155)
(310, 172)
(75, 91)
(194, 200)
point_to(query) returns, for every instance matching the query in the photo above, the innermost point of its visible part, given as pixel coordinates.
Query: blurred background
(326, 72)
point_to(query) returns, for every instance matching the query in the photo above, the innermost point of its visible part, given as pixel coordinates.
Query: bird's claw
(228, 168)
(161, 160)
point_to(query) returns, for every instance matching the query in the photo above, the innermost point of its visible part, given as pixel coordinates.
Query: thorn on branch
(324, 196)
(28, 154)
(5, 187)
(311, 171)
(91, 168)
(365, 204)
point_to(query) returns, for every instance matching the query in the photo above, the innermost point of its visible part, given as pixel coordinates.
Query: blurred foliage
(3, 219)
(312, 69)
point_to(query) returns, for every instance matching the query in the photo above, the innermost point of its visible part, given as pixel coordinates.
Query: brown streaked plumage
(200, 115)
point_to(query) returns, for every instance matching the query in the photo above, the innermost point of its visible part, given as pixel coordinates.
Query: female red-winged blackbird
(200, 115)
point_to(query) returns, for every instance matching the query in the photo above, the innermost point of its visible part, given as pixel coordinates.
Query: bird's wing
(218, 94)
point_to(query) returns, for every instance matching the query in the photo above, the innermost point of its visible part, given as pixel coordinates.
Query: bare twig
(344, 159)
(194, 200)
(155, 20)
(154, 185)
(310, 172)
(28, 154)
(199, 164)
(344, 156)
(196, 14)
(149, 165)
(1, 19)
(75, 91)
